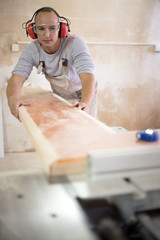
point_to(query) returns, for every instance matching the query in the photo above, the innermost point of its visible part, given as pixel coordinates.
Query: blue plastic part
(147, 135)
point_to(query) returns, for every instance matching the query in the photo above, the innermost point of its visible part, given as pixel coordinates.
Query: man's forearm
(14, 86)
(88, 88)
(13, 93)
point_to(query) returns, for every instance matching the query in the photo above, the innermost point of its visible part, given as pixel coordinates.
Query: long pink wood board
(70, 133)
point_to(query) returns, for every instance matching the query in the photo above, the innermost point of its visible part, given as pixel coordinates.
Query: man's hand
(80, 106)
(15, 103)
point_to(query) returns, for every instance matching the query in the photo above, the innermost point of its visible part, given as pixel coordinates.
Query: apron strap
(41, 66)
(63, 58)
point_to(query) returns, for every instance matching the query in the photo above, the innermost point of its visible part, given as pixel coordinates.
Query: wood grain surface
(63, 135)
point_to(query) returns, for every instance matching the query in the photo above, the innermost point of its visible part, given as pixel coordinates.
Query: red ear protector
(63, 29)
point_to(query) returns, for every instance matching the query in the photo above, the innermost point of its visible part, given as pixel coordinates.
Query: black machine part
(123, 217)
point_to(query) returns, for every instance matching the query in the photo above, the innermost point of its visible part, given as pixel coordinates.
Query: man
(65, 61)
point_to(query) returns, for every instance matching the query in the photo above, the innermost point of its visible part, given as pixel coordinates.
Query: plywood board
(60, 133)
(63, 135)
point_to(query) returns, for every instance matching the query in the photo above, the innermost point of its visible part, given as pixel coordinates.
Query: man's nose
(47, 32)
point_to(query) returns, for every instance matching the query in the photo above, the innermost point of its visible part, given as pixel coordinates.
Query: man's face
(47, 28)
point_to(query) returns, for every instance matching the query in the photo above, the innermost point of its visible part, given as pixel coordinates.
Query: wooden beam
(61, 134)
(64, 135)
(41, 144)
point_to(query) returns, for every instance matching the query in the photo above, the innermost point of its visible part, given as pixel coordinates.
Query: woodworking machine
(116, 203)
(122, 201)
(110, 193)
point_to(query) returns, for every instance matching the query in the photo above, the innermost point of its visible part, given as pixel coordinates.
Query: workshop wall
(128, 76)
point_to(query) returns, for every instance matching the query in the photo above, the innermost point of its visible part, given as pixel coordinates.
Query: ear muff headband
(63, 30)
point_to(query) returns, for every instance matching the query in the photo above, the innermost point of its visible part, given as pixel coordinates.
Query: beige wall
(128, 76)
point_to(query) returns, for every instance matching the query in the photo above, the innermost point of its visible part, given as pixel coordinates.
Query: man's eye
(40, 29)
(52, 28)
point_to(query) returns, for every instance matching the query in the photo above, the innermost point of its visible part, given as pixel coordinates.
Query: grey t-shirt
(79, 59)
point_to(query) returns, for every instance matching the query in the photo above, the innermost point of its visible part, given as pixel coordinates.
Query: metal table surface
(114, 184)
(31, 208)
(129, 199)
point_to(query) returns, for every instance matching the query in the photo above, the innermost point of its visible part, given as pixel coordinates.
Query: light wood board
(63, 135)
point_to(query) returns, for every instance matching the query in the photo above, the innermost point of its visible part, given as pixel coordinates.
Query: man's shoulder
(76, 37)
(32, 46)
(76, 40)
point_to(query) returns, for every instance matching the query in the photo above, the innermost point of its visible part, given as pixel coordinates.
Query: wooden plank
(60, 133)
(63, 135)
(45, 150)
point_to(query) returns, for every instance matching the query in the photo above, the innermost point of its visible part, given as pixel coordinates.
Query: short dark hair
(46, 9)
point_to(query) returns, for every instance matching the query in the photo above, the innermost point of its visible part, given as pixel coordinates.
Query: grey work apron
(64, 87)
